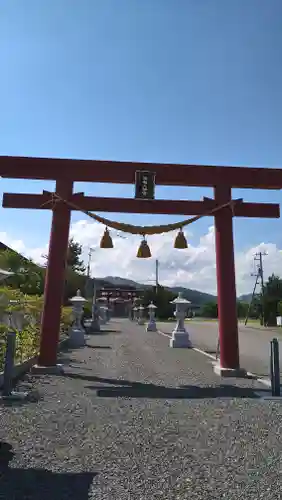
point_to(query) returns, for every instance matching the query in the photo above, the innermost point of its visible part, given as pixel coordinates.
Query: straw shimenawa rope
(143, 230)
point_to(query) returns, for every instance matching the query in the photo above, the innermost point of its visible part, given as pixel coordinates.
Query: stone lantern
(95, 320)
(180, 337)
(141, 319)
(101, 315)
(152, 327)
(104, 314)
(76, 333)
(130, 312)
(109, 312)
(134, 309)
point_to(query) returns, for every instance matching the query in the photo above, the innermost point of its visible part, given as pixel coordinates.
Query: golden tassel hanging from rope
(180, 240)
(106, 240)
(144, 251)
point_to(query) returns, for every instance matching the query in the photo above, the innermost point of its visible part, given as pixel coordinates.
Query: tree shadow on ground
(129, 389)
(32, 397)
(40, 484)
(105, 331)
(188, 392)
(93, 378)
(98, 346)
(67, 360)
(65, 356)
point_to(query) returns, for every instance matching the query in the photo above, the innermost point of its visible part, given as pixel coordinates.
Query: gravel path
(133, 419)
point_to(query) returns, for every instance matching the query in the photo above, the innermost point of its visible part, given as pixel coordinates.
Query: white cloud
(37, 253)
(192, 268)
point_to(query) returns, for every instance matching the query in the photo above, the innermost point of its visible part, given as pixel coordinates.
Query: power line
(259, 275)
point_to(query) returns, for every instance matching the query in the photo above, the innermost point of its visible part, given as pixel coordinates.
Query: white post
(94, 326)
(76, 333)
(106, 309)
(141, 319)
(109, 312)
(130, 312)
(180, 337)
(134, 313)
(103, 315)
(152, 327)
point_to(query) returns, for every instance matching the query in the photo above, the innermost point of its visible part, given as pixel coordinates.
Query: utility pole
(157, 275)
(262, 286)
(88, 278)
(95, 325)
(89, 262)
(259, 278)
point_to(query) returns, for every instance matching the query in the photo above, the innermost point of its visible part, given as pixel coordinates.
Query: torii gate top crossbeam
(124, 172)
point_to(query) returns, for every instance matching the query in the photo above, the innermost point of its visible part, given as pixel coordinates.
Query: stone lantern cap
(141, 307)
(135, 308)
(152, 306)
(78, 299)
(180, 300)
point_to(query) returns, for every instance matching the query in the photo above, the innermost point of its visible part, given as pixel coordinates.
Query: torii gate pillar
(55, 277)
(226, 285)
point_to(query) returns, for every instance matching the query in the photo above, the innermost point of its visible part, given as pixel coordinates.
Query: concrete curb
(26, 365)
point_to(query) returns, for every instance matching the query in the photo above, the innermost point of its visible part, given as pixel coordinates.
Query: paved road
(133, 419)
(254, 343)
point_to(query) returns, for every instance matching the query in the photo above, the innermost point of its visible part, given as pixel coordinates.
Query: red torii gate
(66, 171)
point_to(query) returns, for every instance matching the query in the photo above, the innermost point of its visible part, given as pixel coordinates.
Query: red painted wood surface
(226, 284)
(124, 172)
(127, 205)
(55, 278)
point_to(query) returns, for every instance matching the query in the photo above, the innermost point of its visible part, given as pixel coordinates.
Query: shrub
(66, 319)
(28, 337)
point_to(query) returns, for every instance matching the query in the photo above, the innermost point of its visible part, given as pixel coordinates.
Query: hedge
(28, 339)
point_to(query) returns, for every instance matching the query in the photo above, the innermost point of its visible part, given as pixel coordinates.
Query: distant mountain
(122, 282)
(248, 297)
(101, 282)
(194, 296)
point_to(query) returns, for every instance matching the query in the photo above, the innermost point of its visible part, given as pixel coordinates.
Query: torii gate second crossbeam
(66, 172)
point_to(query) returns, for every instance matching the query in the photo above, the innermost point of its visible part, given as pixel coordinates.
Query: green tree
(256, 309)
(73, 282)
(75, 270)
(74, 260)
(209, 310)
(279, 308)
(161, 298)
(75, 278)
(242, 309)
(272, 297)
(28, 277)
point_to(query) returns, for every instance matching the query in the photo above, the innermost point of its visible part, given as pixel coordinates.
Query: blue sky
(189, 81)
